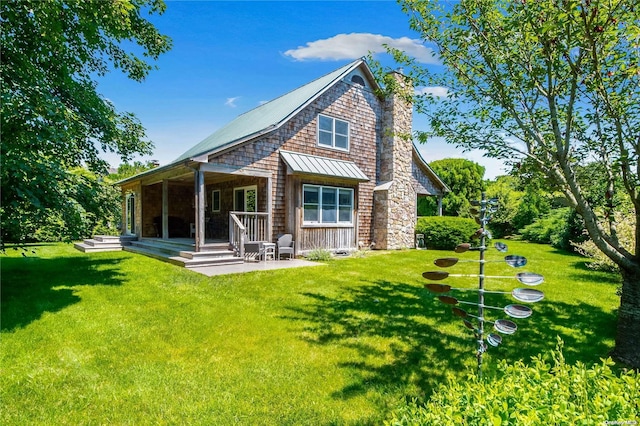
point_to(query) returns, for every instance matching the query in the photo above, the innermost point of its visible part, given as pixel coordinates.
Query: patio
(240, 268)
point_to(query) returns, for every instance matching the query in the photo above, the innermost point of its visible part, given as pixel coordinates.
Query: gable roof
(269, 116)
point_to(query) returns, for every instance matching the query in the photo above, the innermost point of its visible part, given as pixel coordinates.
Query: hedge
(536, 394)
(445, 232)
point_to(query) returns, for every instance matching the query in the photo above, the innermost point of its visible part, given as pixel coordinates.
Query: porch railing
(247, 226)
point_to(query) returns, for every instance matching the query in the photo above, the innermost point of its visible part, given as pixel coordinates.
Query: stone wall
(395, 196)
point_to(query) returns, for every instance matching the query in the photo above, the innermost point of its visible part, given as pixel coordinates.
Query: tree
(126, 170)
(464, 178)
(53, 120)
(518, 204)
(549, 85)
(94, 208)
(509, 201)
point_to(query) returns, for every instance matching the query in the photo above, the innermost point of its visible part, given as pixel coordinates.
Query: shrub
(599, 261)
(559, 228)
(72, 224)
(443, 232)
(318, 254)
(542, 229)
(536, 394)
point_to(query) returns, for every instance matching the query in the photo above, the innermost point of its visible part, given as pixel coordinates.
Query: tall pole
(483, 248)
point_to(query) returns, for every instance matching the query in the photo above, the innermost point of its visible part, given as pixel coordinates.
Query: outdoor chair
(286, 245)
(254, 250)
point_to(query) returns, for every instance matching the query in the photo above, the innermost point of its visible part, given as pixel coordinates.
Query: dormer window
(333, 133)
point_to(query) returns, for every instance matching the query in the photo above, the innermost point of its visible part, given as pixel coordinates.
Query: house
(331, 162)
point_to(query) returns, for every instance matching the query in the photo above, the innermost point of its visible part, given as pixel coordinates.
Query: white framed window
(215, 201)
(333, 133)
(327, 204)
(245, 199)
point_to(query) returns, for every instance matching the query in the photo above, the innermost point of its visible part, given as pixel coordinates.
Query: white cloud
(357, 45)
(435, 91)
(231, 102)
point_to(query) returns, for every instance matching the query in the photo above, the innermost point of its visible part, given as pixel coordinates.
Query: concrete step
(217, 254)
(215, 246)
(96, 243)
(216, 261)
(90, 247)
(161, 247)
(104, 243)
(197, 261)
(111, 239)
(156, 254)
(176, 245)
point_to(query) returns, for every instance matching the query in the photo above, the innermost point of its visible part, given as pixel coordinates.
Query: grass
(120, 338)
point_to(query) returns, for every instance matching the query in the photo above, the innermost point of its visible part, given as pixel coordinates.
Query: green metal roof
(266, 117)
(300, 163)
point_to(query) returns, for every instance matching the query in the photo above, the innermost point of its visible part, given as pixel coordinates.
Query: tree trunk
(627, 347)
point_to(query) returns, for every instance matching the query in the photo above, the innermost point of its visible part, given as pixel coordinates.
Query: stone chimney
(394, 196)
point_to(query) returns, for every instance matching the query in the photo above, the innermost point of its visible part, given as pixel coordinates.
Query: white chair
(192, 230)
(286, 245)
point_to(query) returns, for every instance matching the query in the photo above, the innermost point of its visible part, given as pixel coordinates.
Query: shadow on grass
(586, 330)
(395, 331)
(403, 336)
(583, 273)
(32, 286)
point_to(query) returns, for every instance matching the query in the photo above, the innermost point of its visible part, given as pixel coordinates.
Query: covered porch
(201, 203)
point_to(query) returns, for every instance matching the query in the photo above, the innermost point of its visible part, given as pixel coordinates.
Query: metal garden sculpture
(483, 210)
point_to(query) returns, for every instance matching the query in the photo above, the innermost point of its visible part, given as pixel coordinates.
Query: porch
(201, 205)
(244, 227)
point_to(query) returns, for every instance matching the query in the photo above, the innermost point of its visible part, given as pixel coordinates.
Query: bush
(559, 228)
(537, 394)
(72, 224)
(318, 255)
(625, 226)
(443, 232)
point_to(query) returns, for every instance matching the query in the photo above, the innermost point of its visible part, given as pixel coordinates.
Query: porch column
(439, 205)
(165, 209)
(200, 209)
(269, 209)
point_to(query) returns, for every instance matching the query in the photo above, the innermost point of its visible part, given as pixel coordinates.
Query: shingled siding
(422, 183)
(362, 109)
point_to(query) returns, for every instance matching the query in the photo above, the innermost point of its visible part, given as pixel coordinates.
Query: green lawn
(118, 338)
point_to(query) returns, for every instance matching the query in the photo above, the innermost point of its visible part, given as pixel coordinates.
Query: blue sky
(228, 57)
